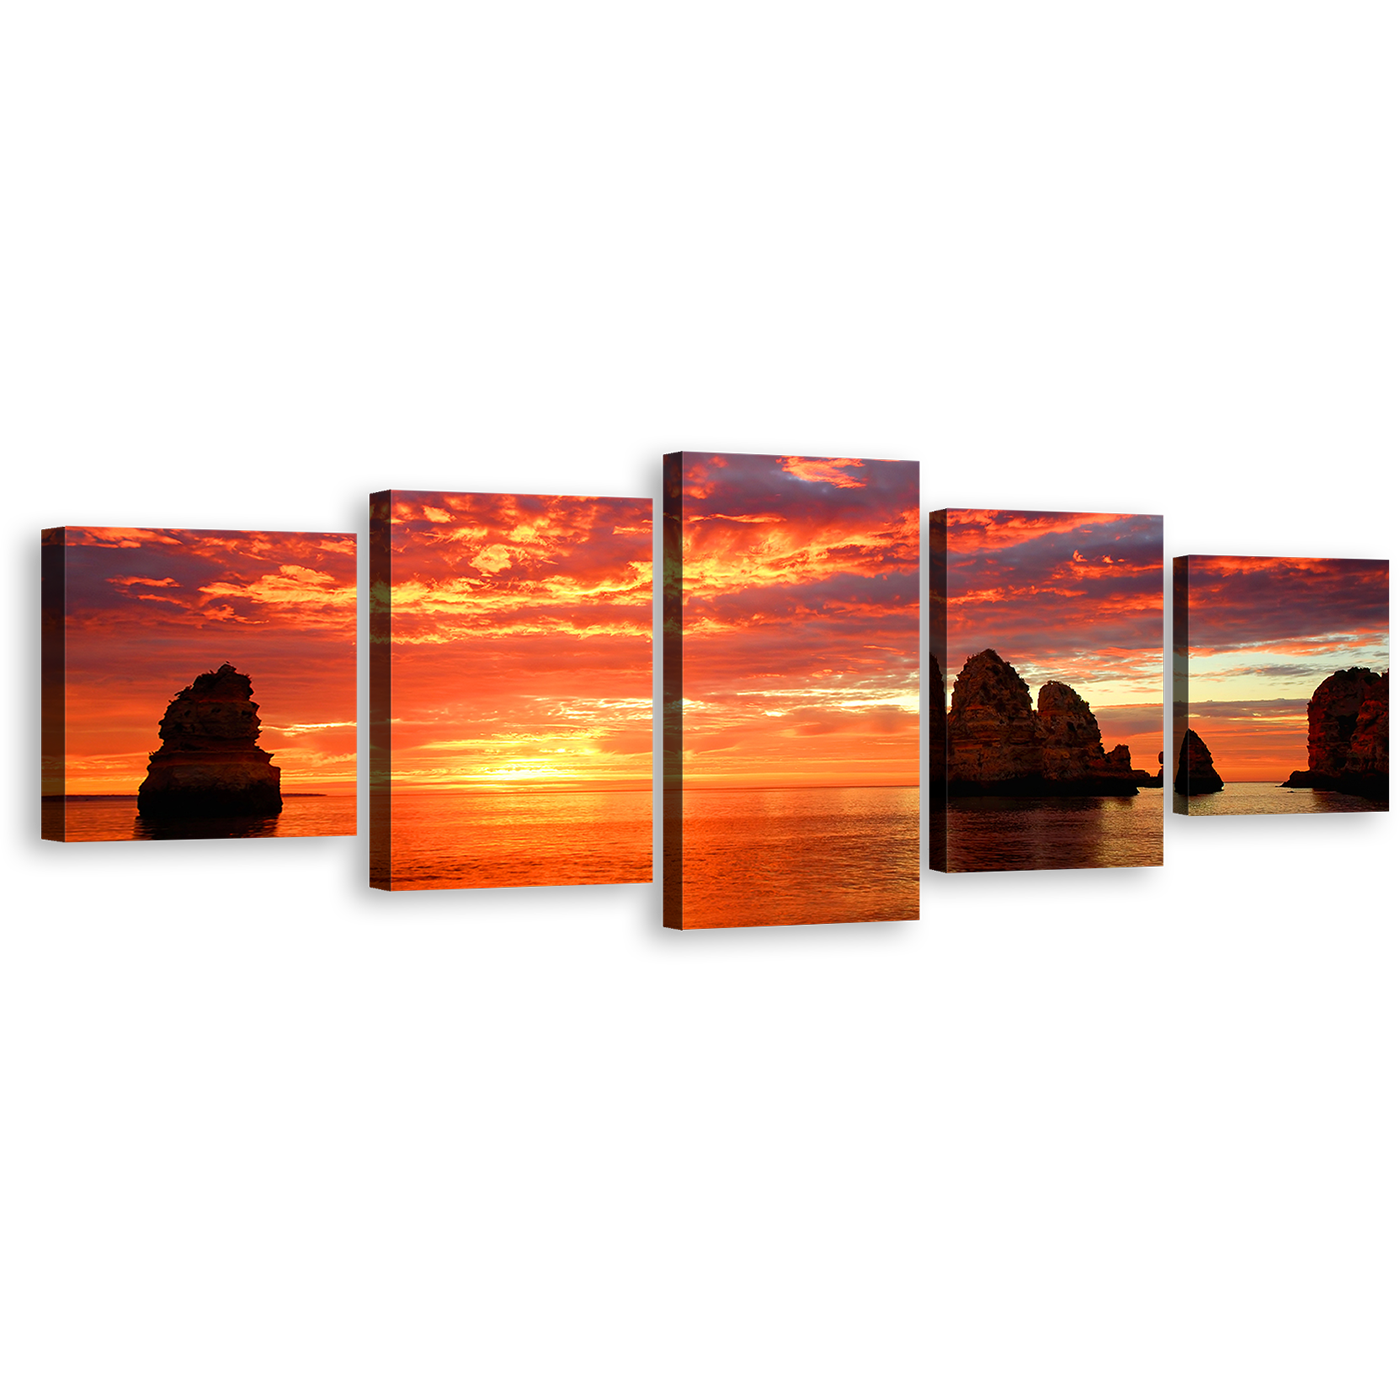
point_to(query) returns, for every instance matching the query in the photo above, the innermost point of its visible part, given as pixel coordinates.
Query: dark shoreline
(1373, 785)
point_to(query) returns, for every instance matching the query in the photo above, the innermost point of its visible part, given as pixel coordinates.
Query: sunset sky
(801, 621)
(147, 610)
(1065, 596)
(522, 636)
(1264, 633)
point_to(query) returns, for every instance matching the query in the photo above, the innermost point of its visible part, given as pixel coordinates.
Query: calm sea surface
(759, 856)
(478, 840)
(116, 819)
(1054, 833)
(1268, 799)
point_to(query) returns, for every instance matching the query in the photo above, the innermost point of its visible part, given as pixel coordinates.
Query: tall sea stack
(1195, 773)
(1349, 735)
(994, 742)
(209, 763)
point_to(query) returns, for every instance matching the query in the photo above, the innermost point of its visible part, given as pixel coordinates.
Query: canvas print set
(202, 684)
(177, 664)
(1280, 685)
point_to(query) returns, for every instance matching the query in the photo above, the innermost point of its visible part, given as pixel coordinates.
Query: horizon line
(787, 787)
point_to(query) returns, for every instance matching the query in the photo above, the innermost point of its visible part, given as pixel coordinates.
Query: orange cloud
(1073, 597)
(798, 619)
(720, 560)
(739, 519)
(494, 558)
(701, 476)
(278, 605)
(990, 530)
(1230, 566)
(845, 472)
(521, 637)
(317, 596)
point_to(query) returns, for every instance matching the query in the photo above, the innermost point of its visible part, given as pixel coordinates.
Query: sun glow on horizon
(521, 642)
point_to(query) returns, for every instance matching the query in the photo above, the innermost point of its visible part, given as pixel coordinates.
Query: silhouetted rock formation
(998, 745)
(1119, 760)
(1120, 765)
(1074, 750)
(1333, 713)
(1370, 741)
(1195, 773)
(209, 763)
(1145, 779)
(1069, 734)
(993, 739)
(1348, 735)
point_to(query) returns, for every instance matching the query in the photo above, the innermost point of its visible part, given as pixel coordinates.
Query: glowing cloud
(1067, 596)
(280, 606)
(519, 635)
(845, 472)
(798, 610)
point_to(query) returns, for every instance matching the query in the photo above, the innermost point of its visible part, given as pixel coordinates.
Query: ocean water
(758, 856)
(116, 819)
(1268, 799)
(1053, 833)
(480, 840)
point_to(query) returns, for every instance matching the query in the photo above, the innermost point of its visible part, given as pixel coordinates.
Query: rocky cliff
(998, 744)
(992, 733)
(1349, 735)
(1369, 751)
(1069, 734)
(1120, 762)
(1119, 759)
(209, 762)
(1195, 772)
